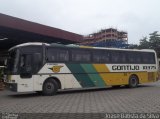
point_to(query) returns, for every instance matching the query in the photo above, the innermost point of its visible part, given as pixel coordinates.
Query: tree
(132, 46)
(154, 40)
(152, 43)
(144, 44)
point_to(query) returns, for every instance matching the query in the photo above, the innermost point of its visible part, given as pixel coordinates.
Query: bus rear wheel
(50, 87)
(133, 81)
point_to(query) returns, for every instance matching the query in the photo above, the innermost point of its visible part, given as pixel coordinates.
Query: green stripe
(93, 74)
(80, 75)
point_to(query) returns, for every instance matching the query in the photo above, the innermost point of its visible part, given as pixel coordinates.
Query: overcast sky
(137, 17)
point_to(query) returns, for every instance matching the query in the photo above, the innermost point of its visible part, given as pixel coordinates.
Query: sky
(137, 17)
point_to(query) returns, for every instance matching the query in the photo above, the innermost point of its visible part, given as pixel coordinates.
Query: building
(107, 38)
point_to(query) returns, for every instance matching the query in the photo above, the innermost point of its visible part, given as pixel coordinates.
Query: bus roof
(28, 44)
(76, 46)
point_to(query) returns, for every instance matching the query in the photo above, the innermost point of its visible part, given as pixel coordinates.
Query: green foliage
(152, 43)
(144, 44)
(154, 40)
(133, 46)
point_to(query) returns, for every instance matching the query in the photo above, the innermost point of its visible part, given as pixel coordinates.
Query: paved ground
(144, 99)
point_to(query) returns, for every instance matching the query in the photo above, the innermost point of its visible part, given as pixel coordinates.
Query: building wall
(106, 38)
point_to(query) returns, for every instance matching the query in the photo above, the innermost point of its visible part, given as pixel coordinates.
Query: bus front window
(12, 62)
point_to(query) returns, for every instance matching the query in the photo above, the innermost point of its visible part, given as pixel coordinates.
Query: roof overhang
(15, 31)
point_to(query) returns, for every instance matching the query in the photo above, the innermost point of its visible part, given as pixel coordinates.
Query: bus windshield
(12, 62)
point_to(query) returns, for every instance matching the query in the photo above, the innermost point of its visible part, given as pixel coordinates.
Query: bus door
(26, 71)
(30, 65)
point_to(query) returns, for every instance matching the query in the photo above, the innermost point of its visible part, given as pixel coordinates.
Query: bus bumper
(12, 86)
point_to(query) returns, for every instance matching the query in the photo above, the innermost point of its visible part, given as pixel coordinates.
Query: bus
(48, 68)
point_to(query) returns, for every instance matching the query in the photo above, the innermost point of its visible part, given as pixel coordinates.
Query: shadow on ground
(71, 91)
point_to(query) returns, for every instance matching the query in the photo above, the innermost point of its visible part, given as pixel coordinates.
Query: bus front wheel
(133, 81)
(50, 87)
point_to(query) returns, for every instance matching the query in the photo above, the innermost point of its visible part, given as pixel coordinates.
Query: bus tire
(133, 81)
(50, 87)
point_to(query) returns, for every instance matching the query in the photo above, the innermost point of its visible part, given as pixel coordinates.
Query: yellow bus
(48, 68)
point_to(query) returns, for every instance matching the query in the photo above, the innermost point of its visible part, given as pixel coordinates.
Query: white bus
(48, 68)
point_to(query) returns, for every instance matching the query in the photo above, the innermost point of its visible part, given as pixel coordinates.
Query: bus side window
(148, 58)
(145, 59)
(101, 56)
(105, 57)
(51, 55)
(116, 58)
(124, 58)
(138, 57)
(151, 58)
(63, 55)
(57, 55)
(81, 56)
(131, 57)
(96, 57)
